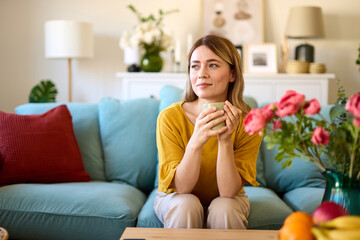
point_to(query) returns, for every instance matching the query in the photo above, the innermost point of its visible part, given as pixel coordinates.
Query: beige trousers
(185, 211)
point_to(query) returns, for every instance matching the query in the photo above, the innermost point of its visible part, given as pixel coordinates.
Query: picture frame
(241, 21)
(260, 58)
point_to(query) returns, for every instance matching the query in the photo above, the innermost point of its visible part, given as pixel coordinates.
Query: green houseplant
(43, 92)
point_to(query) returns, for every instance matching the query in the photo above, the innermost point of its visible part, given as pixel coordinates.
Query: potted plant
(43, 92)
(151, 37)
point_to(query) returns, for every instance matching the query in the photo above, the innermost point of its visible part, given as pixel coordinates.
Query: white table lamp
(67, 39)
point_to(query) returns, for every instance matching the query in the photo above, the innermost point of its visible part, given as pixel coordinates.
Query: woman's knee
(185, 203)
(227, 213)
(185, 211)
(223, 205)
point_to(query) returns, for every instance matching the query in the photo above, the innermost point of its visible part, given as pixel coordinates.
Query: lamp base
(134, 68)
(304, 52)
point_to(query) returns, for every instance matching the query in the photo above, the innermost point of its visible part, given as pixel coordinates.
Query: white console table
(264, 88)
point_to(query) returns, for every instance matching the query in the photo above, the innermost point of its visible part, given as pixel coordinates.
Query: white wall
(22, 61)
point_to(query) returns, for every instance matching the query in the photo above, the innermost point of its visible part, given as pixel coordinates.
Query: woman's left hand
(233, 115)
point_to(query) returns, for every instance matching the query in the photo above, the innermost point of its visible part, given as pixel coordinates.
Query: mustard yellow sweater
(174, 130)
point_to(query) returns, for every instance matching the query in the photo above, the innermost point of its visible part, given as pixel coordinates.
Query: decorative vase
(151, 61)
(342, 190)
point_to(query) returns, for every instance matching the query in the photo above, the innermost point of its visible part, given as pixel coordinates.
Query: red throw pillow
(39, 148)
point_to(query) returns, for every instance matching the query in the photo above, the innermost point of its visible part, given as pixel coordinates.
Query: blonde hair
(223, 48)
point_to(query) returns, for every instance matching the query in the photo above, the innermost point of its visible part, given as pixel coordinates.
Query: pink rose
(268, 111)
(356, 122)
(353, 105)
(277, 124)
(312, 107)
(290, 103)
(320, 136)
(254, 121)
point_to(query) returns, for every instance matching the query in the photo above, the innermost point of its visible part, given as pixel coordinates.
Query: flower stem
(323, 118)
(317, 162)
(353, 154)
(318, 155)
(305, 149)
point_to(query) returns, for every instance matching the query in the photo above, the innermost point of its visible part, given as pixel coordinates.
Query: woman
(203, 171)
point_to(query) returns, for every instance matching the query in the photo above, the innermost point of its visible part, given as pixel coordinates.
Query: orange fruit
(299, 216)
(297, 226)
(296, 231)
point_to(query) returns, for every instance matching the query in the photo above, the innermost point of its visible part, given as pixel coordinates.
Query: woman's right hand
(204, 122)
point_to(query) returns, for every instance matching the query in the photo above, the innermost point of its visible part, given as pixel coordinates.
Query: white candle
(177, 51)
(189, 42)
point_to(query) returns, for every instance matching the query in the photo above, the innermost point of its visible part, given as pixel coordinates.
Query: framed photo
(260, 58)
(241, 21)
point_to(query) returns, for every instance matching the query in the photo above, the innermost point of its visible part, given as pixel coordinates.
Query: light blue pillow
(251, 101)
(171, 94)
(168, 95)
(128, 135)
(304, 199)
(86, 129)
(301, 174)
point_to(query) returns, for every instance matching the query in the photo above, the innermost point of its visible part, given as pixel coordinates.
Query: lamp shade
(68, 39)
(131, 55)
(305, 22)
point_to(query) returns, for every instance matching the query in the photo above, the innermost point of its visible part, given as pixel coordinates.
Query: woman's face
(209, 75)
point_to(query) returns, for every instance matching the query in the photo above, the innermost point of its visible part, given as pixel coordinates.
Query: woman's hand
(206, 120)
(232, 116)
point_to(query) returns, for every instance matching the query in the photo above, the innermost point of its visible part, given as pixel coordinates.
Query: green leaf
(286, 164)
(336, 111)
(43, 92)
(279, 157)
(132, 8)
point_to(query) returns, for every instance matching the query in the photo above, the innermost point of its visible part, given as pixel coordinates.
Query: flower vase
(342, 190)
(151, 61)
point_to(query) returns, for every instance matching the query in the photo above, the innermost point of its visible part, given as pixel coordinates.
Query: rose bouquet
(297, 128)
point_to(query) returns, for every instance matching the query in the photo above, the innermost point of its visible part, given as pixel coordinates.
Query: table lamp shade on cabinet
(305, 22)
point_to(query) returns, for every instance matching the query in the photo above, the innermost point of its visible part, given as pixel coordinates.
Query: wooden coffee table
(197, 234)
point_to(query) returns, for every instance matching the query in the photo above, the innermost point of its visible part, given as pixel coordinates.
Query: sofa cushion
(147, 216)
(92, 210)
(171, 94)
(304, 199)
(267, 210)
(301, 174)
(128, 135)
(87, 133)
(39, 148)
(284, 180)
(168, 95)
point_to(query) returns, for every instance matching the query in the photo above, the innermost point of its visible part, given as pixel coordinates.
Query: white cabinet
(270, 88)
(264, 88)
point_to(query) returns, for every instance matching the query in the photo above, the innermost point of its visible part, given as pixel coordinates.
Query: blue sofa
(118, 149)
